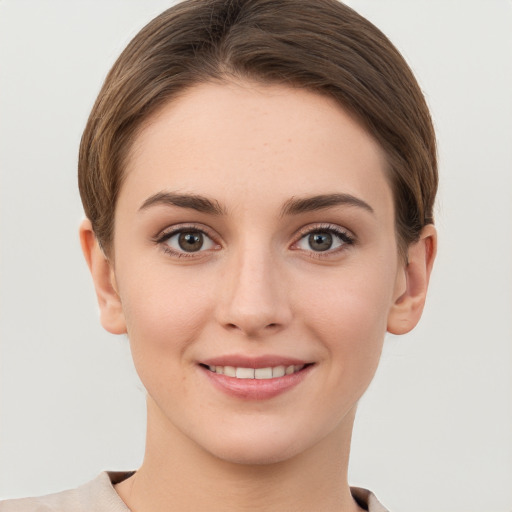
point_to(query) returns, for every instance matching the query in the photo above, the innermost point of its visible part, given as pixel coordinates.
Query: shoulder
(365, 499)
(98, 495)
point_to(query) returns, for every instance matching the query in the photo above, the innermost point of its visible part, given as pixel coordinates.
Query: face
(256, 265)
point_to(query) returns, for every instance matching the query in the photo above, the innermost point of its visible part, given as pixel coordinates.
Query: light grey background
(433, 432)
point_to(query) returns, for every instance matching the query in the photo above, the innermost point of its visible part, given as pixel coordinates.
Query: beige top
(99, 495)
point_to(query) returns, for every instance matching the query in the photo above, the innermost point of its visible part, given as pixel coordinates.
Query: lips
(255, 378)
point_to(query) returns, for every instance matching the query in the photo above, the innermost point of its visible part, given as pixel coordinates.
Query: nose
(253, 295)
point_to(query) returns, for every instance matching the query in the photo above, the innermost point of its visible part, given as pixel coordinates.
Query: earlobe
(407, 308)
(111, 311)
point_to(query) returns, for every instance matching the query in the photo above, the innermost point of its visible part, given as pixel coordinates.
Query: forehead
(237, 140)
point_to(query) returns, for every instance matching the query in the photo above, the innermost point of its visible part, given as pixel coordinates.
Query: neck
(177, 474)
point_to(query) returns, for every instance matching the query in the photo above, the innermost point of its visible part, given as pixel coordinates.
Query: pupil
(320, 241)
(190, 241)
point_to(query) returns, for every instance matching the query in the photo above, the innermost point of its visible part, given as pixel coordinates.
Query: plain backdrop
(434, 431)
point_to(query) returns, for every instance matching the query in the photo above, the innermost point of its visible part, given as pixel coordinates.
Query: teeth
(263, 373)
(230, 371)
(245, 373)
(278, 371)
(256, 373)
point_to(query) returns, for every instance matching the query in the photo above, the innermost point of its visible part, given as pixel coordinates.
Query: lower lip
(256, 389)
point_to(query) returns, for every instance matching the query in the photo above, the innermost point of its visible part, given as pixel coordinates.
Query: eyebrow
(295, 206)
(195, 202)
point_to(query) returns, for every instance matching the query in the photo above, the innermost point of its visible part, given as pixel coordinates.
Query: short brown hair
(322, 45)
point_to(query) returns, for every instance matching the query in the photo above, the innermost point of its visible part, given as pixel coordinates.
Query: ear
(111, 311)
(407, 307)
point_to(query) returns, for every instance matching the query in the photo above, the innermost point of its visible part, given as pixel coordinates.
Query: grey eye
(190, 241)
(320, 241)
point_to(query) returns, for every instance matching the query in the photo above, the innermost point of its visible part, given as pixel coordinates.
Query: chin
(259, 448)
(253, 456)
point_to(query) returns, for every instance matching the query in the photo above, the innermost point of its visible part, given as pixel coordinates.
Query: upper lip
(264, 361)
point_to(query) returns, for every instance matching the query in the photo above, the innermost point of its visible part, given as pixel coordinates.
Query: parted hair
(321, 45)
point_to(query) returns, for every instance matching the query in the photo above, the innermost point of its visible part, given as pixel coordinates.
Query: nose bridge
(254, 294)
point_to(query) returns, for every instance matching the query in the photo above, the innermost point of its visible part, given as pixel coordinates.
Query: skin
(257, 288)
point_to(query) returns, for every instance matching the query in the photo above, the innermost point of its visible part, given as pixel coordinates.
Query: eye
(186, 241)
(324, 240)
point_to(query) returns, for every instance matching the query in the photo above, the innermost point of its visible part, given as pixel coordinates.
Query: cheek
(163, 318)
(351, 299)
(164, 312)
(348, 311)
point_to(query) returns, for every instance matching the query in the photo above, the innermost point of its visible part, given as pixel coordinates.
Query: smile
(256, 380)
(256, 373)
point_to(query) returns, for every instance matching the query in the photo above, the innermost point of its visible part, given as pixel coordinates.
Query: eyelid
(164, 235)
(347, 237)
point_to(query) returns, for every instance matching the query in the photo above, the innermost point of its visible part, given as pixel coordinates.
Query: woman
(258, 179)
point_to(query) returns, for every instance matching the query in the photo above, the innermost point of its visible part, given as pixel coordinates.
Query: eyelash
(342, 235)
(166, 235)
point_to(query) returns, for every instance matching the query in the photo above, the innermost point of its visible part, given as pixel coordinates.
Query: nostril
(233, 326)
